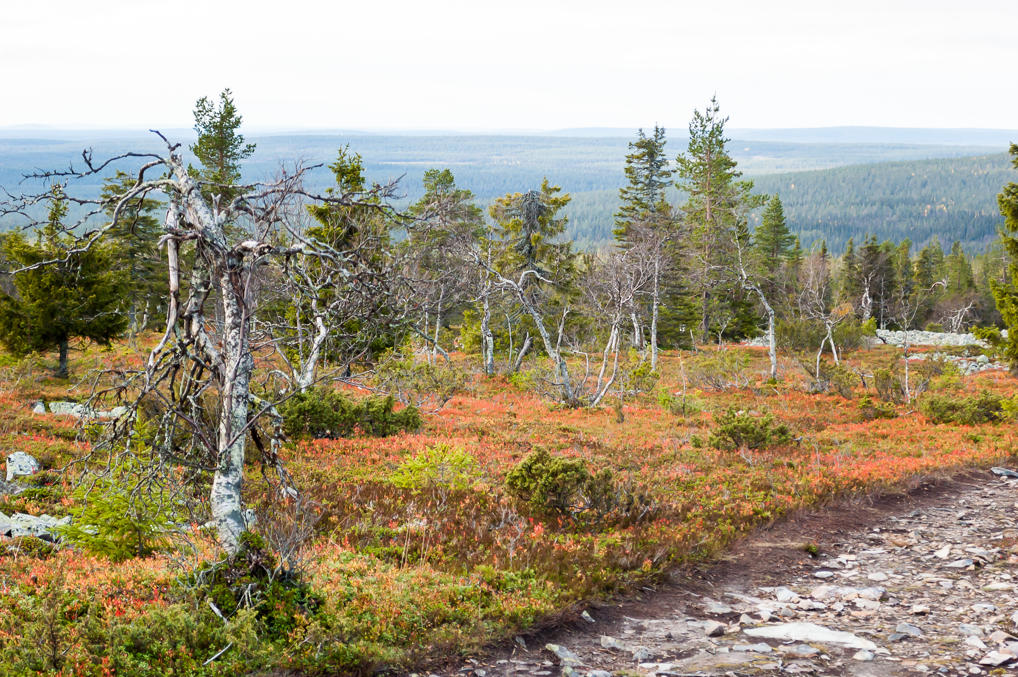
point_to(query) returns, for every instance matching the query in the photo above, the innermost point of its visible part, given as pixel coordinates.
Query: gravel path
(921, 584)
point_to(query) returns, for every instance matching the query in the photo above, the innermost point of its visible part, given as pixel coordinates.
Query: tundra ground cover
(420, 551)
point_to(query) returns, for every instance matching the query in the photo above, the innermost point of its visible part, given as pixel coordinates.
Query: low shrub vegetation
(735, 430)
(325, 414)
(983, 408)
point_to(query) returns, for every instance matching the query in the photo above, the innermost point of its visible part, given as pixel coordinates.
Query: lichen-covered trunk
(487, 340)
(227, 481)
(655, 302)
(309, 369)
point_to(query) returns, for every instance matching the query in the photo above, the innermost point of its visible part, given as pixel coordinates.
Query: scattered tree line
(259, 292)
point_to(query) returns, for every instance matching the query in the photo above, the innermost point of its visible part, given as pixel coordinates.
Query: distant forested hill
(954, 199)
(914, 190)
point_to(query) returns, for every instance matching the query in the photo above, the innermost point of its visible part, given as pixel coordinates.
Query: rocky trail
(925, 583)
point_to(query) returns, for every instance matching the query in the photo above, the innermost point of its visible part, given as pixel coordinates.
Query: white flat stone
(810, 632)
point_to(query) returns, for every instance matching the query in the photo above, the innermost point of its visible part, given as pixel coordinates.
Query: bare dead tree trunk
(654, 304)
(487, 340)
(227, 480)
(518, 362)
(637, 331)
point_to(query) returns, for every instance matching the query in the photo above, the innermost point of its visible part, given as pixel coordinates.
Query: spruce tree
(772, 238)
(1005, 292)
(850, 289)
(76, 294)
(648, 177)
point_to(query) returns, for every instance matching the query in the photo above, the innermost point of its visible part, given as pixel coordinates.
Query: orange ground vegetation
(409, 573)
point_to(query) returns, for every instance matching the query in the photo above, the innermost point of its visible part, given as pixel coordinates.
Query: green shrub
(440, 465)
(871, 409)
(888, 383)
(933, 326)
(327, 414)
(983, 408)
(681, 404)
(741, 430)
(836, 377)
(563, 487)
(524, 380)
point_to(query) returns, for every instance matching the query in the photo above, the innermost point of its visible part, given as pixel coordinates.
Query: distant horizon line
(488, 130)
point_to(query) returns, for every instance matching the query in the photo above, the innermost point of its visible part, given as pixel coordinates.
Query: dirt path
(925, 583)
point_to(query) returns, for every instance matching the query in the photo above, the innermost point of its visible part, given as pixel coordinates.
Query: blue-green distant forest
(835, 184)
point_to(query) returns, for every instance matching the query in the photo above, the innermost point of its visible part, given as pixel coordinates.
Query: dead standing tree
(196, 384)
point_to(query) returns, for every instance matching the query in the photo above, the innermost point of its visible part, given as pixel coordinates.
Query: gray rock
(995, 658)
(1004, 472)
(810, 632)
(909, 629)
(641, 654)
(785, 595)
(69, 409)
(564, 655)
(20, 464)
(39, 407)
(983, 608)
(759, 647)
(713, 628)
(970, 630)
(863, 655)
(43, 526)
(587, 617)
(800, 650)
(10, 488)
(611, 643)
(823, 574)
(975, 642)
(599, 673)
(960, 564)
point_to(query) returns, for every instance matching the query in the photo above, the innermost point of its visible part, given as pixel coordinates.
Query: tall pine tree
(220, 147)
(716, 213)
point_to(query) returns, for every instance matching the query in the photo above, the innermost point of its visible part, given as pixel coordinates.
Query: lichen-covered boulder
(20, 464)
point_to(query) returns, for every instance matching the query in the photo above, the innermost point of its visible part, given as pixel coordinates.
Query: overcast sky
(545, 64)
